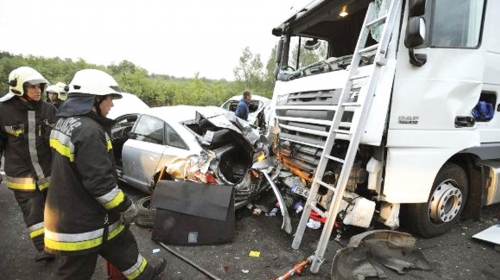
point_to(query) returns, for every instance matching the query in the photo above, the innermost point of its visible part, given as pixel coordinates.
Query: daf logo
(281, 98)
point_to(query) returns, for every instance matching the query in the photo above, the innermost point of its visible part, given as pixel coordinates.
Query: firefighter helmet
(62, 90)
(94, 82)
(53, 88)
(22, 75)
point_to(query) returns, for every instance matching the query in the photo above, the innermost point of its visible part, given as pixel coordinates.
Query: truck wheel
(146, 214)
(445, 204)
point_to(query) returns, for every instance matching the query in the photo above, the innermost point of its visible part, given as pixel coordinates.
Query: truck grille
(305, 119)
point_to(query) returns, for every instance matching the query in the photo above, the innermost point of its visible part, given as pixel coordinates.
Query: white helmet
(94, 82)
(53, 88)
(19, 76)
(62, 87)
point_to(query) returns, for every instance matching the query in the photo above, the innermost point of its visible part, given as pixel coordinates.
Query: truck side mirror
(415, 36)
(416, 8)
(279, 52)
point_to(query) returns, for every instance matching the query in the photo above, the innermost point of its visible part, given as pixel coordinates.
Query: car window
(253, 106)
(232, 104)
(174, 139)
(150, 129)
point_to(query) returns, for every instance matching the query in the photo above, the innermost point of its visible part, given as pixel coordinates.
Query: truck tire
(446, 202)
(146, 214)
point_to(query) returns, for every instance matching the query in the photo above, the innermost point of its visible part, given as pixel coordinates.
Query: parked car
(258, 107)
(129, 103)
(203, 144)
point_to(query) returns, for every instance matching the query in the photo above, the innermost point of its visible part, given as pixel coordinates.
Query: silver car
(147, 144)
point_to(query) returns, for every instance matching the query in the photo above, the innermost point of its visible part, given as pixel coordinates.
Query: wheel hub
(445, 202)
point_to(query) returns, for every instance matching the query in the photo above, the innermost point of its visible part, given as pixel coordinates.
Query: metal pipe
(199, 268)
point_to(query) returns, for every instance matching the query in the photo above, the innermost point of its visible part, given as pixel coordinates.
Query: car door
(153, 144)
(143, 151)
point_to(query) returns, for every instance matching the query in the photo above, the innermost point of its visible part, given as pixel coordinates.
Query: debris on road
(491, 234)
(297, 269)
(199, 268)
(368, 253)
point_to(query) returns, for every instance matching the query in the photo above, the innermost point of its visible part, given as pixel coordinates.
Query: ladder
(353, 135)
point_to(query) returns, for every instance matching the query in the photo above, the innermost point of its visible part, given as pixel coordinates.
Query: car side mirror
(415, 36)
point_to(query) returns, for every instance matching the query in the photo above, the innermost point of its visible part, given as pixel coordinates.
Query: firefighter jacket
(83, 207)
(24, 141)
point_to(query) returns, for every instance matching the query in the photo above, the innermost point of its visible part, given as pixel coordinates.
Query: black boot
(158, 268)
(44, 256)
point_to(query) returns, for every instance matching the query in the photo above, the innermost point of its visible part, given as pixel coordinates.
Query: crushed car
(200, 144)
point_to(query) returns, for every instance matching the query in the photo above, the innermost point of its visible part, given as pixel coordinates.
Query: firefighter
(87, 214)
(25, 124)
(53, 96)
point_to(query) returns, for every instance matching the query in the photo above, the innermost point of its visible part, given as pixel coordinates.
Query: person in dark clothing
(53, 96)
(25, 125)
(242, 110)
(87, 215)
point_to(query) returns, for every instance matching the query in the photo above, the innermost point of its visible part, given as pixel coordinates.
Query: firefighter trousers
(32, 205)
(122, 252)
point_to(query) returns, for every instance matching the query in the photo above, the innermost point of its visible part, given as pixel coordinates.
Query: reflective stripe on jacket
(24, 141)
(84, 196)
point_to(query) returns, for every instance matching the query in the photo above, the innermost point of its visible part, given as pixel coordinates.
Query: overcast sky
(178, 38)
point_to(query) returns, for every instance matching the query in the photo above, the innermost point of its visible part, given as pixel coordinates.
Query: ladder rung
(328, 186)
(335, 159)
(343, 132)
(380, 19)
(317, 210)
(351, 104)
(345, 124)
(368, 49)
(358, 77)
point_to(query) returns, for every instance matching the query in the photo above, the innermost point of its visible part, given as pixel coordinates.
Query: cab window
(456, 23)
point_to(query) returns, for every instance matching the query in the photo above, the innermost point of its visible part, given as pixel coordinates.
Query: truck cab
(430, 146)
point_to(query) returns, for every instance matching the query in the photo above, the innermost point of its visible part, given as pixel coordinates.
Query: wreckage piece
(265, 167)
(368, 252)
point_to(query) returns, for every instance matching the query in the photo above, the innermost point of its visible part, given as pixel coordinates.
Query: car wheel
(146, 213)
(446, 202)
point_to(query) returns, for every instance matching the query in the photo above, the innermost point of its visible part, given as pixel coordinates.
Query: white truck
(429, 144)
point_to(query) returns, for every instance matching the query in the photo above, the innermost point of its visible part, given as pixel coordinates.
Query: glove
(129, 215)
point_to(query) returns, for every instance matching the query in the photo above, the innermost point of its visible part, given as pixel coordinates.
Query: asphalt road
(453, 256)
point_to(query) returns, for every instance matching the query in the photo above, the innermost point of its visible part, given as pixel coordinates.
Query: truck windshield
(300, 56)
(456, 23)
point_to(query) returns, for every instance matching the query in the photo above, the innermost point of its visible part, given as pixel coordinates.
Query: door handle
(464, 121)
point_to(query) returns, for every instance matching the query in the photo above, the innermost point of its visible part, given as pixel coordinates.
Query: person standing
(242, 110)
(87, 214)
(25, 125)
(53, 96)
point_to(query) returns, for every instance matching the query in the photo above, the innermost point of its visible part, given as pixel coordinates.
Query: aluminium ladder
(355, 131)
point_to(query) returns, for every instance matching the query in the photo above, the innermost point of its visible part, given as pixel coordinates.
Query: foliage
(154, 89)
